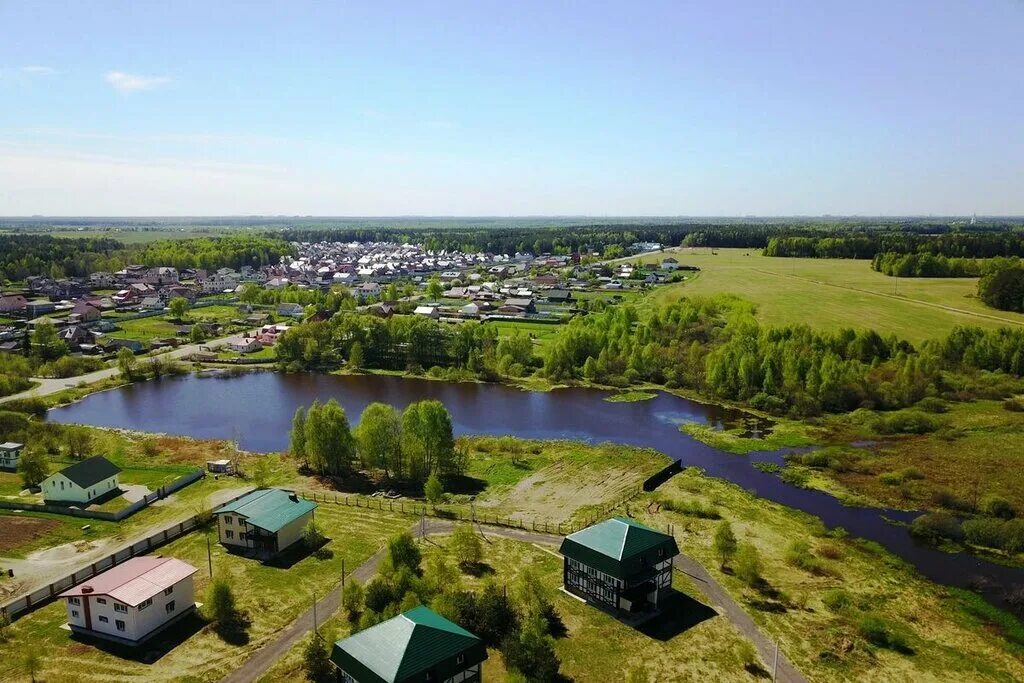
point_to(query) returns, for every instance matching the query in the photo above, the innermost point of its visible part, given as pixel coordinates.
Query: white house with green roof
(265, 520)
(619, 564)
(417, 646)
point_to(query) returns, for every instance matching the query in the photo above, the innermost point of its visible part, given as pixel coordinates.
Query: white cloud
(126, 82)
(37, 70)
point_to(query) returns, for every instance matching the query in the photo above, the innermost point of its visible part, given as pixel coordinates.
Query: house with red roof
(132, 601)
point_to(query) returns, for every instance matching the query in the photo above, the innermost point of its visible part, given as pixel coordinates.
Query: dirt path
(49, 564)
(264, 658)
(719, 597)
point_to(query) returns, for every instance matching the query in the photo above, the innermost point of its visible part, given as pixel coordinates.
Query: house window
(119, 625)
(74, 601)
(104, 620)
(169, 607)
(118, 607)
(229, 520)
(74, 613)
(168, 590)
(229, 534)
(101, 601)
(146, 603)
(461, 659)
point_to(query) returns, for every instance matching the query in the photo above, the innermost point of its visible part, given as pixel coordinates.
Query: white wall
(138, 622)
(59, 487)
(292, 532)
(237, 527)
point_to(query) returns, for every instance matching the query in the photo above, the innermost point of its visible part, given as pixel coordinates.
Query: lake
(256, 409)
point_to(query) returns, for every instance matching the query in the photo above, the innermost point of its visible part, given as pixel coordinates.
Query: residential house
(174, 291)
(276, 283)
(368, 289)
(383, 310)
(290, 310)
(244, 344)
(559, 296)
(221, 281)
(84, 312)
(125, 297)
(34, 309)
(619, 564)
(428, 311)
(161, 276)
(132, 601)
(266, 521)
(269, 334)
(669, 264)
(151, 303)
(418, 645)
(83, 482)
(115, 344)
(75, 336)
(12, 303)
(471, 310)
(102, 280)
(10, 455)
(526, 305)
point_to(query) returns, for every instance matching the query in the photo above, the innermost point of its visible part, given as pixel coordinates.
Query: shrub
(906, 422)
(1005, 535)
(878, 631)
(798, 554)
(944, 498)
(837, 600)
(997, 506)
(795, 477)
(830, 551)
(1015, 405)
(932, 404)
(748, 564)
(935, 527)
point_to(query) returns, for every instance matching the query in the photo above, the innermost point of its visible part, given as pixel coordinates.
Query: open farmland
(832, 293)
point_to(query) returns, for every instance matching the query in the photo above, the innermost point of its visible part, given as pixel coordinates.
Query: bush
(944, 498)
(935, 527)
(795, 477)
(900, 476)
(877, 631)
(997, 506)
(837, 600)
(932, 404)
(830, 551)
(1007, 535)
(748, 564)
(906, 422)
(1015, 405)
(798, 554)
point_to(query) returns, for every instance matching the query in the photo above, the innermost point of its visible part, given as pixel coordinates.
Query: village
(100, 314)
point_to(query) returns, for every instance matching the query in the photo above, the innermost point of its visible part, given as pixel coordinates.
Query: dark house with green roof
(417, 646)
(619, 564)
(265, 520)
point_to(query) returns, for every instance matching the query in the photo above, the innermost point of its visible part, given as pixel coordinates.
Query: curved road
(263, 659)
(49, 386)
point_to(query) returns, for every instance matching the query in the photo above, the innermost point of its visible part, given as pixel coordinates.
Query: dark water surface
(256, 409)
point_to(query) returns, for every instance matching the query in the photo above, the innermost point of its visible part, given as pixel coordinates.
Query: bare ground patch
(18, 531)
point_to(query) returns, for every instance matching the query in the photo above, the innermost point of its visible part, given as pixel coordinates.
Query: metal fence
(123, 513)
(27, 602)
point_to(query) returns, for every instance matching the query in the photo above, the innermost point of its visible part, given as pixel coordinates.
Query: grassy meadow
(832, 293)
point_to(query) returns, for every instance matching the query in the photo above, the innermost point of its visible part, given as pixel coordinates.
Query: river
(256, 409)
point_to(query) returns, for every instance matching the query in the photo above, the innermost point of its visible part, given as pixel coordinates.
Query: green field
(161, 326)
(541, 333)
(833, 293)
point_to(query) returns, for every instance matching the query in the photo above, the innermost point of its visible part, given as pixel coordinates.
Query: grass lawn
(540, 333)
(555, 481)
(162, 326)
(952, 636)
(832, 293)
(272, 596)
(698, 646)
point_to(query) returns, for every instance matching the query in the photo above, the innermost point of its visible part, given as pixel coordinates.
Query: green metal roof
(406, 647)
(269, 509)
(619, 547)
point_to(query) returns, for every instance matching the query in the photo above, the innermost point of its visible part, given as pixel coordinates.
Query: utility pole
(343, 575)
(314, 615)
(209, 554)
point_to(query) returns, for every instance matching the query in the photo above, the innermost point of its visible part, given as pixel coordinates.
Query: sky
(716, 108)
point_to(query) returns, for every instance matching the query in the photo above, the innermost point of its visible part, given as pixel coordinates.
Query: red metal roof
(135, 580)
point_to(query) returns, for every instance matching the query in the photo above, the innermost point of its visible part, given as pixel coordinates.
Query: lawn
(162, 326)
(555, 481)
(272, 597)
(949, 636)
(832, 293)
(699, 645)
(540, 333)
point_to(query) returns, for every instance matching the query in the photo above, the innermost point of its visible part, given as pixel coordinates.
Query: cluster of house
(618, 565)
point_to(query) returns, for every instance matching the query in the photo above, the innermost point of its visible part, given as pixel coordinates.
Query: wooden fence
(460, 513)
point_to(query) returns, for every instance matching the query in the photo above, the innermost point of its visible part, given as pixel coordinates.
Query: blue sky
(512, 108)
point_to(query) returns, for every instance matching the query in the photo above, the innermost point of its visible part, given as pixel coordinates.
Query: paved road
(264, 658)
(49, 386)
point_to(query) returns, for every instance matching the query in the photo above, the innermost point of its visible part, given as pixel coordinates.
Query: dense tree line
(1003, 289)
(22, 255)
(715, 346)
(931, 265)
(411, 445)
(230, 251)
(960, 244)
